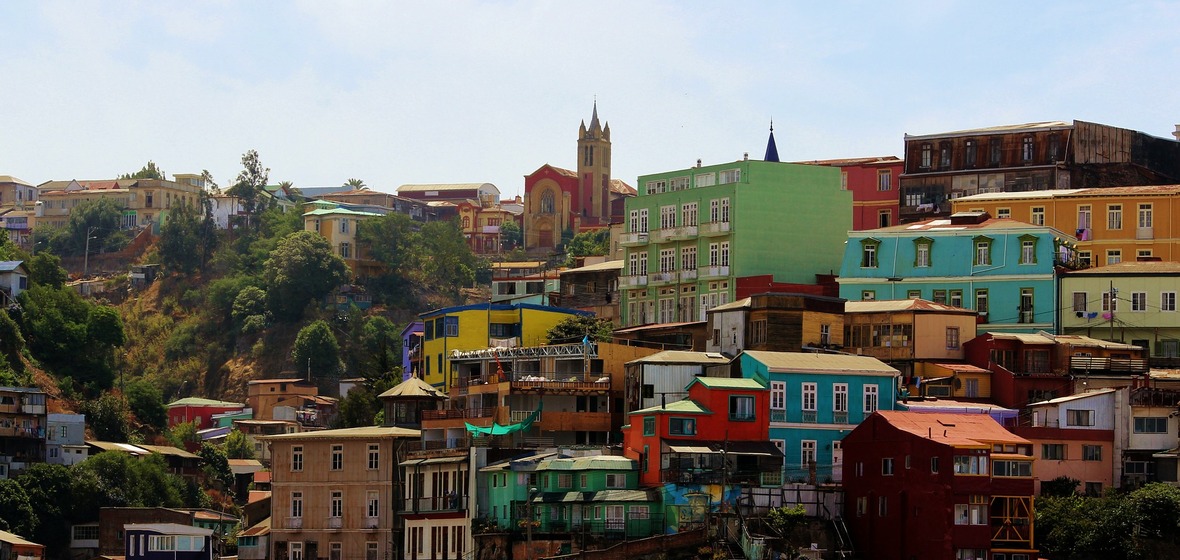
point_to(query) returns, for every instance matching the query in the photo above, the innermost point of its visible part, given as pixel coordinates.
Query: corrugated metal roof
(898, 305)
(727, 383)
(600, 496)
(13, 538)
(682, 357)
(821, 363)
(445, 187)
(1026, 338)
(197, 401)
(258, 529)
(339, 210)
(1078, 396)
(9, 266)
(1001, 129)
(1131, 267)
(1023, 195)
(592, 462)
(959, 430)
(413, 388)
(169, 450)
(743, 303)
(685, 406)
(608, 265)
(349, 433)
(963, 368)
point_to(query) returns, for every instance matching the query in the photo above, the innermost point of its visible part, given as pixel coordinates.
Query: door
(837, 461)
(296, 551)
(614, 518)
(972, 387)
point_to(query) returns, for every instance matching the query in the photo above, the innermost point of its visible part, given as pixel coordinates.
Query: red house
(199, 411)
(938, 486)
(720, 434)
(875, 185)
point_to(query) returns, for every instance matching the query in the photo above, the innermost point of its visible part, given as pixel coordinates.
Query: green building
(691, 233)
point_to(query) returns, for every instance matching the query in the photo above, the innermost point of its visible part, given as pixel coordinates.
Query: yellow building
(339, 227)
(1112, 224)
(145, 201)
(482, 325)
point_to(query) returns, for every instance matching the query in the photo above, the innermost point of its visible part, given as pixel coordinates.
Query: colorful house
(1132, 302)
(199, 411)
(1145, 441)
(170, 541)
(1003, 269)
(907, 333)
(594, 497)
(1073, 437)
(692, 232)
(505, 489)
(874, 183)
(339, 226)
(779, 322)
(939, 485)
(815, 400)
(479, 326)
(16, 547)
(412, 349)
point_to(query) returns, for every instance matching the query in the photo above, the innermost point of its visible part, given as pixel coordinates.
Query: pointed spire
(771, 148)
(594, 117)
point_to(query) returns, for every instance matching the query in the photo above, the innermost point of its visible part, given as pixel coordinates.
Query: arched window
(547, 202)
(466, 222)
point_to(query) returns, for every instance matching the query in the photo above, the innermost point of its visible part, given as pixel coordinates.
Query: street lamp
(86, 259)
(529, 523)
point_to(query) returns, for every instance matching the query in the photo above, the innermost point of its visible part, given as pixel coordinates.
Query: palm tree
(356, 184)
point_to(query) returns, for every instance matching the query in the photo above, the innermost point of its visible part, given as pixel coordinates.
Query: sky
(457, 91)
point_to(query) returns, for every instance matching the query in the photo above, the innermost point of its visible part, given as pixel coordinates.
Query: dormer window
(927, 155)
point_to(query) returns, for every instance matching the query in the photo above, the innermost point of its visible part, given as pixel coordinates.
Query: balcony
(632, 281)
(664, 278)
(687, 275)
(674, 234)
(809, 417)
(633, 239)
(33, 432)
(335, 523)
(452, 502)
(840, 417)
(1121, 365)
(714, 229)
(517, 416)
(293, 523)
(458, 413)
(713, 272)
(370, 524)
(558, 381)
(1144, 233)
(777, 415)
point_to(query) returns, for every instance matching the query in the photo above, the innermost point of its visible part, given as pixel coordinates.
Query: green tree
(447, 261)
(49, 487)
(12, 343)
(70, 335)
(99, 220)
(45, 270)
(511, 236)
(356, 184)
(114, 479)
(147, 403)
(1155, 510)
(1060, 486)
(316, 349)
(216, 466)
(207, 178)
(393, 240)
(580, 327)
(16, 511)
(251, 302)
(302, 269)
(381, 341)
(588, 244)
(249, 185)
(181, 240)
(237, 446)
(149, 171)
(184, 435)
(358, 408)
(107, 418)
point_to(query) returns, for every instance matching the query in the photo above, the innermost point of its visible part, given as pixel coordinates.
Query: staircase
(845, 550)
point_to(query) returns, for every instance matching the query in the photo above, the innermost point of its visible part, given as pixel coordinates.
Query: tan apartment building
(339, 226)
(144, 201)
(912, 335)
(335, 493)
(1112, 224)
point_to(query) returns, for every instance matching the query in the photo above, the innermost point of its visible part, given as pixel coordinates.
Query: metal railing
(1092, 363)
(458, 413)
(778, 415)
(293, 523)
(456, 502)
(810, 416)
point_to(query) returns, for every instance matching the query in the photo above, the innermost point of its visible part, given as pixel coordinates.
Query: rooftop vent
(963, 218)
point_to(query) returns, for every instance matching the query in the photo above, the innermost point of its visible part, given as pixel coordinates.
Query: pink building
(199, 411)
(1073, 437)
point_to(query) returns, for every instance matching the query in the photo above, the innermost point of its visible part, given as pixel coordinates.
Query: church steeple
(771, 148)
(594, 117)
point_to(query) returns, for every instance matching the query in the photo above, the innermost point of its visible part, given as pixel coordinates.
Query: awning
(691, 449)
(438, 460)
(750, 448)
(409, 462)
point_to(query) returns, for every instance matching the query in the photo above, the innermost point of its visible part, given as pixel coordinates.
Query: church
(557, 200)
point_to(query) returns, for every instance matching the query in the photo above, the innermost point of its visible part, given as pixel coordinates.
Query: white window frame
(810, 393)
(778, 395)
(871, 399)
(840, 397)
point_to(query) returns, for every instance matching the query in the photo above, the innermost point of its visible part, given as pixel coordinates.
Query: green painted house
(504, 490)
(691, 233)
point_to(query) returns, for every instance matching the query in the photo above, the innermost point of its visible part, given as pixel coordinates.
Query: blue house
(815, 400)
(1003, 269)
(168, 541)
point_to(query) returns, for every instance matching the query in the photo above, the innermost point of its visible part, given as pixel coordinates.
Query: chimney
(698, 162)
(1176, 133)
(746, 155)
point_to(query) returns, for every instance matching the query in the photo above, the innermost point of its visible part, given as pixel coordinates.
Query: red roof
(262, 477)
(957, 430)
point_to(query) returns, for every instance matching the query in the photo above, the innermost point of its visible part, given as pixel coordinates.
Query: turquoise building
(816, 400)
(1003, 269)
(692, 232)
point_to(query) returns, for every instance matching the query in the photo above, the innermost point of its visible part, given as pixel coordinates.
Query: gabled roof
(11, 179)
(10, 266)
(683, 357)
(897, 305)
(555, 169)
(619, 187)
(1071, 398)
(13, 538)
(197, 401)
(592, 462)
(169, 450)
(367, 432)
(413, 388)
(957, 430)
(743, 303)
(810, 362)
(684, 406)
(743, 383)
(258, 529)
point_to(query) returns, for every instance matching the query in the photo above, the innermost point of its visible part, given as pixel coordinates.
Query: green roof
(599, 496)
(330, 211)
(593, 462)
(727, 383)
(196, 401)
(686, 406)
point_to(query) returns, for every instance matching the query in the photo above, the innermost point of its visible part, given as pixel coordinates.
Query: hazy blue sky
(451, 91)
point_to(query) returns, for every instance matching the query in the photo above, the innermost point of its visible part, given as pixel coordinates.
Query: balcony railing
(839, 417)
(560, 380)
(293, 523)
(663, 278)
(686, 275)
(458, 413)
(17, 431)
(633, 238)
(717, 476)
(674, 234)
(632, 281)
(521, 415)
(1092, 363)
(809, 416)
(454, 502)
(777, 415)
(371, 523)
(1144, 233)
(712, 271)
(335, 522)
(712, 229)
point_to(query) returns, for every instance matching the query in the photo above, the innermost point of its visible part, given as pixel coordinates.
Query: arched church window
(547, 202)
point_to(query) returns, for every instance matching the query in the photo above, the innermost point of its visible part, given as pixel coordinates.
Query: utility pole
(1113, 293)
(86, 258)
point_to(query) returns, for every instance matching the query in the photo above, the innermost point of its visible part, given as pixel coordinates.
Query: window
(374, 456)
(667, 217)
(1054, 147)
(1138, 301)
(944, 155)
(952, 338)
(1079, 301)
(1091, 452)
(934, 464)
(1003, 213)
(565, 481)
(1109, 303)
(1012, 468)
(724, 210)
(296, 504)
(1079, 417)
(1026, 149)
(970, 464)
(335, 551)
(682, 426)
(868, 258)
(825, 335)
(778, 395)
(1114, 256)
(1084, 217)
(616, 480)
(868, 295)
(1145, 215)
(807, 453)
(724, 253)
(840, 397)
(1053, 451)
(862, 506)
(1151, 425)
(371, 552)
(1168, 301)
(809, 393)
(983, 251)
(730, 176)
(995, 151)
(1028, 251)
(741, 408)
(887, 466)
(882, 506)
(973, 513)
(296, 458)
(336, 504)
(1038, 215)
(1114, 216)
(1084, 258)
(981, 301)
(372, 504)
(667, 260)
(649, 425)
(969, 150)
(870, 399)
(688, 214)
(884, 179)
(922, 252)
(547, 203)
(927, 156)
(337, 457)
(884, 218)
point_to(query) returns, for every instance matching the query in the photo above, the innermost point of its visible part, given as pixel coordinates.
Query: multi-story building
(263, 395)
(169, 541)
(483, 193)
(414, 208)
(524, 282)
(907, 333)
(874, 184)
(1029, 157)
(481, 225)
(505, 489)
(479, 326)
(1132, 302)
(776, 322)
(1003, 269)
(815, 400)
(22, 429)
(592, 287)
(692, 232)
(938, 485)
(144, 201)
(411, 337)
(339, 226)
(1112, 225)
(15, 193)
(199, 411)
(1145, 441)
(335, 492)
(65, 439)
(661, 378)
(558, 200)
(593, 499)
(1073, 437)
(438, 504)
